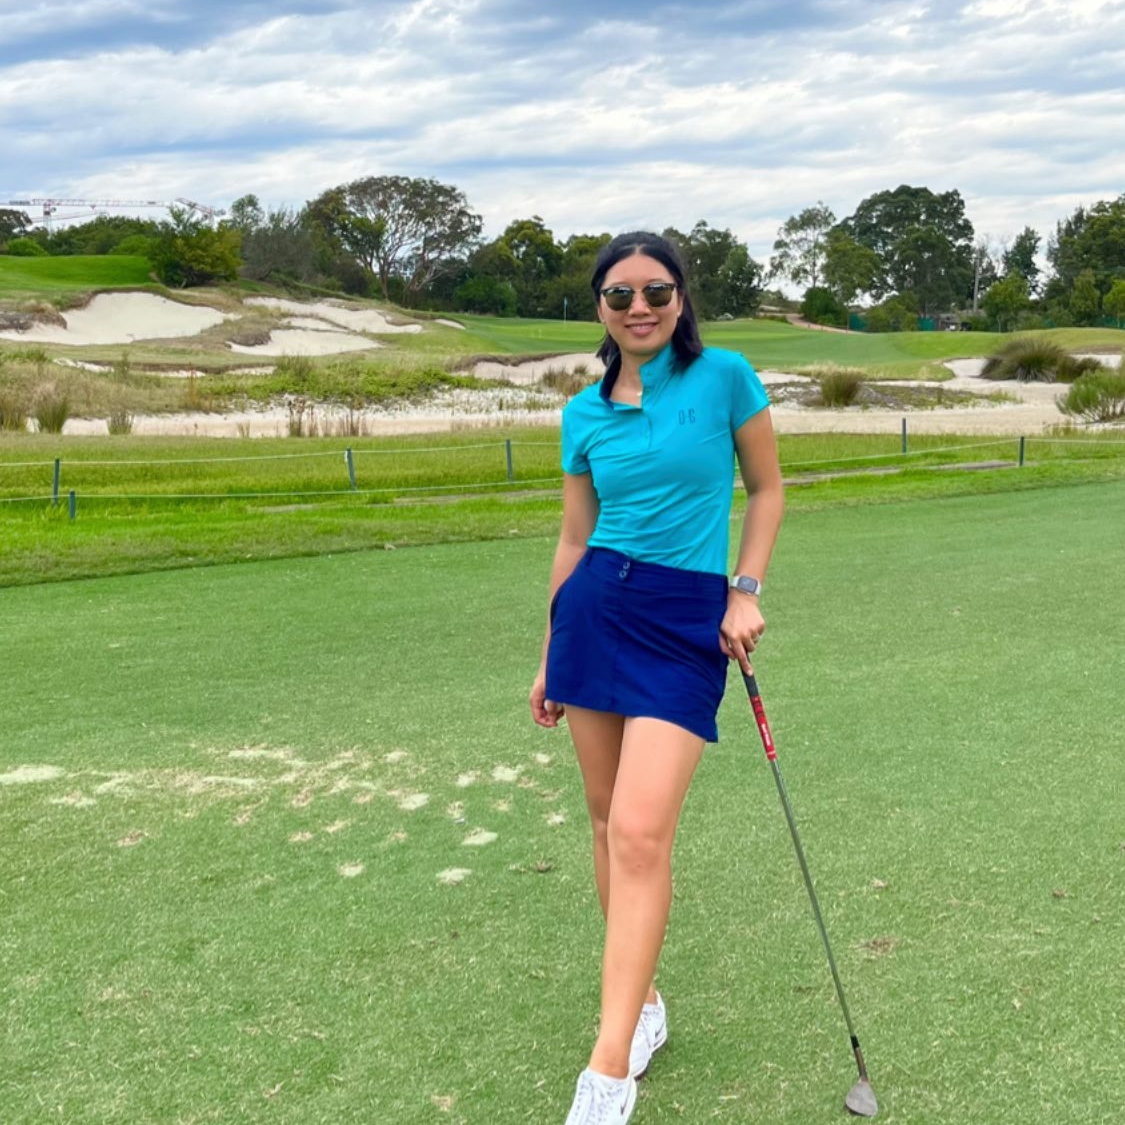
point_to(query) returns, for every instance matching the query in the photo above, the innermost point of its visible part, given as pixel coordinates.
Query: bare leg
(656, 764)
(597, 737)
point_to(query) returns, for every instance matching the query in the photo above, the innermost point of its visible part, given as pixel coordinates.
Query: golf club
(860, 1099)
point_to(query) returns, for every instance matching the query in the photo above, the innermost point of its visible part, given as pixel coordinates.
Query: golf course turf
(280, 842)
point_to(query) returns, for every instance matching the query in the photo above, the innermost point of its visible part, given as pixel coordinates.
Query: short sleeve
(573, 455)
(747, 395)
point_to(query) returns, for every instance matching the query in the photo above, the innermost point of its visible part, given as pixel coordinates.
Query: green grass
(22, 277)
(772, 345)
(220, 908)
(148, 503)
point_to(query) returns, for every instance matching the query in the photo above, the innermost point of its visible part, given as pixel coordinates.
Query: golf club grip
(760, 716)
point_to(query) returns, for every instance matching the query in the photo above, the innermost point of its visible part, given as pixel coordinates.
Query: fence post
(1022, 440)
(351, 467)
(73, 503)
(904, 435)
(55, 488)
(508, 451)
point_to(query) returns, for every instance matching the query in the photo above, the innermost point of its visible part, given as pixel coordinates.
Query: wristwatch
(746, 585)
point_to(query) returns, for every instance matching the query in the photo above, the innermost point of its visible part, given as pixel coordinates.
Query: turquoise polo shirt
(664, 471)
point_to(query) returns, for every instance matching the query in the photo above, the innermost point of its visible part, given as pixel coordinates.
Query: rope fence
(349, 457)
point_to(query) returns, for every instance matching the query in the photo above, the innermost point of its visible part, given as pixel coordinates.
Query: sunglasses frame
(669, 287)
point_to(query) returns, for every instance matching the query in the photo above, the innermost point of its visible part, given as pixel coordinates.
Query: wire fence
(506, 478)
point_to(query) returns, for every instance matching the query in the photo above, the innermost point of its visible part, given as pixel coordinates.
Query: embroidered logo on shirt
(687, 417)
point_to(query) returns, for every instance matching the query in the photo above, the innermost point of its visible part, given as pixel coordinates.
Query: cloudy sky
(594, 115)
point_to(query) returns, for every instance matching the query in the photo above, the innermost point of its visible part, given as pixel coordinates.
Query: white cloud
(598, 121)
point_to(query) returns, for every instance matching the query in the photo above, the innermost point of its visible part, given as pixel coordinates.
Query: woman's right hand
(543, 710)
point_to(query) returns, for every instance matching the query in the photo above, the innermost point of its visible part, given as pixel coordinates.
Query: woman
(642, 618)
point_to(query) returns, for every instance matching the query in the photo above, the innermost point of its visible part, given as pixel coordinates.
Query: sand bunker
(532, 370)
(307, 342)
(355, 320)
(121, 318)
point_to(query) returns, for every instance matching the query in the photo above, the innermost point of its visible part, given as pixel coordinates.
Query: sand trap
(532, 370)
(449, 323)
(355, 320)
(121, 318)
(307, 342)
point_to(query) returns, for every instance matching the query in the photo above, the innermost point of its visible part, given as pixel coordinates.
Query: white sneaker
(651, 1034)
(601, 1100)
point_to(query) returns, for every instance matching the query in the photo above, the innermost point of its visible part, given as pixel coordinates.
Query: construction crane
(51, 206)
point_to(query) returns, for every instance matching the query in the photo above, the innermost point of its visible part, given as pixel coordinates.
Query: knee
(600, 825)
(636, 845)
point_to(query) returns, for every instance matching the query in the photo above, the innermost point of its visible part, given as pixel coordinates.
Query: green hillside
(28, 277)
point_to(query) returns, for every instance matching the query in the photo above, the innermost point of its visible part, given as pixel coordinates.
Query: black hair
(686, 343)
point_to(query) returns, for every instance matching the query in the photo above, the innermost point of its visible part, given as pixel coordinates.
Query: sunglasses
(657, 294)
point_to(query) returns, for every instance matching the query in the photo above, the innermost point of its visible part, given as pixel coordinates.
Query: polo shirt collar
(653, 373)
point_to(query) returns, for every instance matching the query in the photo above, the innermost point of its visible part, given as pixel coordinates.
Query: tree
(1020, 258)
(920, 239)
(532, 259)
(1090, 239)
(569, 295)
(1006, 299)
(246, 214)
(13, 224)
(820, 306)
(1114, 301)
(277, 245)
(395, 226)
(722, 277)
(800, 247)
(189, 252)
(849, 268)
(929, 266)
(1085, 300)
(984, 268)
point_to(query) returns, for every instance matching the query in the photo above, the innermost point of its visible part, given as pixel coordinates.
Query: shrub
(295, 371)
(1072, 367)
(26, 248)
(52, 409)
(1098, 396)
(821, 307)
(120, 421)
(1025, 359)
(840, 388)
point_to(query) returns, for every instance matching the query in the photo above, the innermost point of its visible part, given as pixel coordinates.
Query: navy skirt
(639, 639)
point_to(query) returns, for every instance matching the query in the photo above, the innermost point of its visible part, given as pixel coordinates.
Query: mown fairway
(231, 893)
(44, 276)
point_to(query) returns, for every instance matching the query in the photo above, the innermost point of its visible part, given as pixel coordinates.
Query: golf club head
(861, 1100)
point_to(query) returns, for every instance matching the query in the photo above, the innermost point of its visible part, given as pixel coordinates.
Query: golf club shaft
(771, 755)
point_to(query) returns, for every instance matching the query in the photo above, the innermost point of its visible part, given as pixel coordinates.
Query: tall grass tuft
(120, 421)
(567, 383)
(1027, 359)
(13, 410)
(295, 372)
(840, 388)
(1098, 396)
(51, 409)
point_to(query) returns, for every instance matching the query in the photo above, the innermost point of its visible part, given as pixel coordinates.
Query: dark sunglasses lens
(619, 298)
(658, 296)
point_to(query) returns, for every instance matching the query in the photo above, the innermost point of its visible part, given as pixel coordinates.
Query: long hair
(686, 343)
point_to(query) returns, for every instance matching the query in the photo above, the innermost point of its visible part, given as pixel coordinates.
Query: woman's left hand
(742, 627)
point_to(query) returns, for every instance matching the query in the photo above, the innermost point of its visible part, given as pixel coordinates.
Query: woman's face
(640, 331)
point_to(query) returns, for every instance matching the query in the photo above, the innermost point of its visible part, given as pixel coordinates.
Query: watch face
(748, 585)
